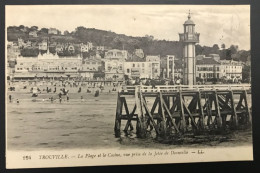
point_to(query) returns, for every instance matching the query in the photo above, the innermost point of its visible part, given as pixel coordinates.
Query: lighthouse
(189, 38)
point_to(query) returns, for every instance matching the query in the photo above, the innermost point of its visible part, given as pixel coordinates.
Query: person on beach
(51, 99)
(17, 101)
(68, 98)
(10, 98)
(60, 96)
(81, 98)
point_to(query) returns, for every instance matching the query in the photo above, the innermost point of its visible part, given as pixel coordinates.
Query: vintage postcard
(91, 85)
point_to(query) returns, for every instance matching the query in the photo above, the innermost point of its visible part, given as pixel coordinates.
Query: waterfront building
(90, 66)
(189, 38)
(208, 68)
(139, 68)
(232, 70)
(47, 65)
(114, 64)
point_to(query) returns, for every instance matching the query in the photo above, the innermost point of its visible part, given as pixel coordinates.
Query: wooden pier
(176, 110)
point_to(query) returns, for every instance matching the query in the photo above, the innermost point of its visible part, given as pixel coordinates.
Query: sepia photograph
(90, 85)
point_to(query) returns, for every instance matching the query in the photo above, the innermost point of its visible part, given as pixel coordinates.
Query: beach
(38, 123)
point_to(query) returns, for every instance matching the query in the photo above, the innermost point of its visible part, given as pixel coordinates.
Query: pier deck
(179, 109)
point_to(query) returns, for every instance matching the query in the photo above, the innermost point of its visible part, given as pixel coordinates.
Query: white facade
(83, 48)
(116, 54)
(48, 63)
(114, 68)
(231, 69)
(149, 69)
(209, 71)
(153, 58)
(90, 45)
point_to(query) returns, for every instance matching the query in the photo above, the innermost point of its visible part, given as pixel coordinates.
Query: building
(43, 45)
(48, 65)
(189, 38)
(90, 66)
(142, 69)
(231, 70)
(59, 48)
(139, 53)
(20, 42)
(153, 58)
(136, 67)
(170, 67)
(71, 48)
(53, 31)
(215, 56)
(25, 64)
(90, 45)
(208, 68)
(114, 69)
(83, 48)
(33, 34)
(27, 44)
(114, 64)
(100, 48)
(116, 54)
(200, 57)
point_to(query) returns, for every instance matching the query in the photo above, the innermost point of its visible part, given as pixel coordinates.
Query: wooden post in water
(118, 116)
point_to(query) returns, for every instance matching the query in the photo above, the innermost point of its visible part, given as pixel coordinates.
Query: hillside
(113, 40)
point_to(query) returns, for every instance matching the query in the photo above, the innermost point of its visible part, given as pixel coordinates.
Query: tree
(233, 49)
(21, 27)
(66, 32)
(215, 47)
(44, 30)
(34, 28)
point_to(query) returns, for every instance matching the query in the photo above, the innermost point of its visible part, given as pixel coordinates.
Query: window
(128, 70)
(142, 64)
(133, 65)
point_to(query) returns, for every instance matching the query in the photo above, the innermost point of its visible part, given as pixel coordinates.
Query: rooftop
(207, 61)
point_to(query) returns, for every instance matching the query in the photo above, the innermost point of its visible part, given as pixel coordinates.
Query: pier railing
(172, 88)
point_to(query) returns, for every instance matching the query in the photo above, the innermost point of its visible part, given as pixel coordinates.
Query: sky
(228, 24)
